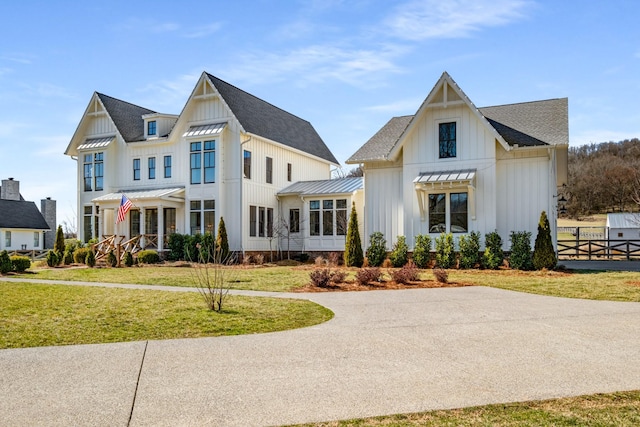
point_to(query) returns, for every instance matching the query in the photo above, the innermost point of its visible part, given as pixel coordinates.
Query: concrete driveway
(385, 352)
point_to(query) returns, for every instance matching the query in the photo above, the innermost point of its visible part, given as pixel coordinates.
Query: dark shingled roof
(261, 118)
(126, 116)
(526, 124)
(21, 214)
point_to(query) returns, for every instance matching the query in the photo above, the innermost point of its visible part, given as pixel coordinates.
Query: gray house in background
(22, 225)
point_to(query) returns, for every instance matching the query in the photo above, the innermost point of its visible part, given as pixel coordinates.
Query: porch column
(100, 223)
(143, 226)
(160, 228)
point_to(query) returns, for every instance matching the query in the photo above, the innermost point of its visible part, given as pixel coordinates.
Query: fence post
(628, 254)
(578, 242)
(589, 249)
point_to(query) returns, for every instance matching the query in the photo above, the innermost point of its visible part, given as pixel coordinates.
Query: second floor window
(269, 166)
(447, 140)
(289, 172)
(203, 156)
(167, 166)
(152, 168)
(98, 167)
(247, 164)
(93, 171)
(136, 169)
(151, 128)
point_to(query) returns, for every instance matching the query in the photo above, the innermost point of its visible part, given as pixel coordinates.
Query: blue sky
(346, 66)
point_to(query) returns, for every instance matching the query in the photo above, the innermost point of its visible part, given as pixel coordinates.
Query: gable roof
(21, 214)
(326, 186)
(527, 124)
(623, 220)
(126, 117)
(263, 119)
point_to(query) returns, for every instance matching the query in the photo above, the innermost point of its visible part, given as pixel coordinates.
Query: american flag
(125, 205)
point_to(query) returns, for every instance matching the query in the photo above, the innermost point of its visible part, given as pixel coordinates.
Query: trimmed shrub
(112, 260)
(67, 257)
(364, 276)
(493, 256)
(176, 247)
(353, 256)
(90, 260)
(377, 251)
(5, 262)
(222, 243)
(441, 275)
(148, 257)
(400, 253)
(128, 259)
(20, 264)
(72, 244)
(338, 276)
(408, 273)
(445, 251)
(59, 246)
(191, 251)
(320, 277)
(422, 251)
(544, 255)
(520, 258)
(80, 255)
(52, 258)
(470, 250)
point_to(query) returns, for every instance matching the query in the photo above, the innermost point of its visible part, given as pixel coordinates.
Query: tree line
(603, 177)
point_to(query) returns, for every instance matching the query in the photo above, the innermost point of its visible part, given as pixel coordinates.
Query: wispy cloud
(203, 31)
(402, 106)
(48, 90)
(169, 94)
(19, 58)
(433, 19)
(10, 128)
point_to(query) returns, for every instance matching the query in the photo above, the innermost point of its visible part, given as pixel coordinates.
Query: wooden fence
(599, 249)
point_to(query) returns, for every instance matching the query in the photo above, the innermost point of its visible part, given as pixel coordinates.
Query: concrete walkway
(385, 352)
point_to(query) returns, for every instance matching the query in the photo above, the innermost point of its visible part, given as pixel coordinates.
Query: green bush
(20, 264)
(90, 260)
(112, 260)
(353, 256)
(544, 256)
(128, 259)
(493, 255)
(52, 258)
(176, 247)
(191, 251)
(520, 258)
(377, 251)
(5, 263)
(72, 244)
(67, 257)
(80, 255)
(148, 257)
(400, 253)
(470, 250)
(445, 251)
(422, 251)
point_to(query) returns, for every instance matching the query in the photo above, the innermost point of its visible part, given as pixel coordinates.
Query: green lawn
(33, 315)
(614, 286)
(613, 409)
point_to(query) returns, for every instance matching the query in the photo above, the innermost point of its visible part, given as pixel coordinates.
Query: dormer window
(447, 140)
(151, 128)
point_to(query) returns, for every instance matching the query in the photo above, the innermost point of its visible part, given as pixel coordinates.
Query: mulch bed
(353, 286)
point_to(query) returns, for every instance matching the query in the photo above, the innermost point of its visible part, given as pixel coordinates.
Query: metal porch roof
(139, 194)
(327, 186)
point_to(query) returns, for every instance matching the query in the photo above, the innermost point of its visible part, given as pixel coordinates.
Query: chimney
(48, 210)
(10, 189)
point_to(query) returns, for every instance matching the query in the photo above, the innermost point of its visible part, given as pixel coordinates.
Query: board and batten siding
(383, 198)
(20, 238)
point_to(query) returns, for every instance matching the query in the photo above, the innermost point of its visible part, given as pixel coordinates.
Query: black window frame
(151, 163)
(167, 166)
(294, 220)
(246, 165)
(447, 140)
(136, 170)
(98, 171)
(269, 170)
(289, 172)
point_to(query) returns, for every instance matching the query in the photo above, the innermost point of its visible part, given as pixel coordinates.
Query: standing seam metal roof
(328, 186)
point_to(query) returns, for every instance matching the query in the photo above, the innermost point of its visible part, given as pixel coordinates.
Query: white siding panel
(383, 200)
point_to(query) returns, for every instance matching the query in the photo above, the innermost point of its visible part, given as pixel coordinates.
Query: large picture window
(209, 162)
(459, 213)
(328, 216)
(448, 212)
(93, 171)
(447, 140)
(202, 216)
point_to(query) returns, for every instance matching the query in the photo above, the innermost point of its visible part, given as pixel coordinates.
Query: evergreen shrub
(148, 257)
(422, 251)
(5, 263)
(353, 256)
(520, 257)
(20, 264)
(544, 256)
(445, 251)
(470, 250)
(400, 253)
(493, 255)
(377, 251)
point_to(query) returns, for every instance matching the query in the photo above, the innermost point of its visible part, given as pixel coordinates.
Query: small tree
(5, 262)
(470, 250)
(493, 255)
(445, 251)
(128, 259)
(59, 244)
(520, 258)
(400, 253)
(210, 279)
(112, 260)
(422, 251)
(222, 241)
(544, 255)
(52, 258)
(353, 256)
(91, 259)
(377, 251)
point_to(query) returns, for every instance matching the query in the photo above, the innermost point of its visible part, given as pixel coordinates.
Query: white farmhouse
(227, 154)
(456, 168)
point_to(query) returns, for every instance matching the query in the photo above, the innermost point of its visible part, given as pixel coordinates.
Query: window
(87, 220)
(36, 239)
(136, 169)
(202, 216)
(98, 167)
(314, 218)
(7, 239)
(134, 222)
(151, 127)
(269, 222)
(457, 219)
(209, 162)
(169, 221)
(269, 168)
(167, 166)
(196, 162)
(447, 140)
(294, 220)
(252, 221)
(209, 207)
(88, 168)
(152, 168)
(195, 217)
(151, 222)
(289, 172)
(341, 217)
(247, 164)
(261, 222)
(327, 217)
